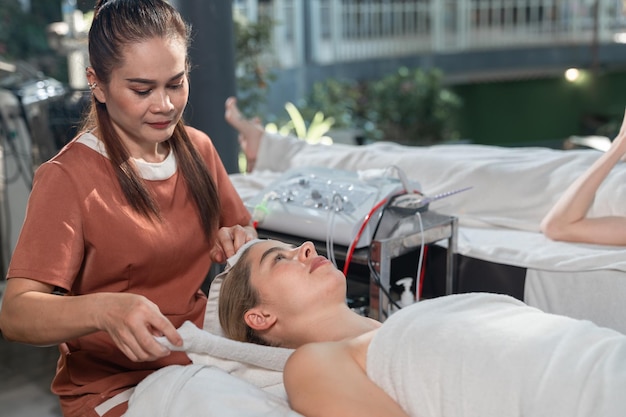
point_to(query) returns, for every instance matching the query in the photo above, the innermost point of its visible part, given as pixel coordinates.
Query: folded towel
(257, 364)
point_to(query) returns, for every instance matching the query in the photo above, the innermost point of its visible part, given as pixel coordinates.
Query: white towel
(490, 355)
(257, 364)
(202, 391)
(227, 378)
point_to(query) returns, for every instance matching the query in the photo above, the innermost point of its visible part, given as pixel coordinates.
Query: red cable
(358, 236)
(422, 272)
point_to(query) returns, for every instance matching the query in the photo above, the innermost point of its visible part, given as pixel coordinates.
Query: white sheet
(202, 391)
(491, 356)
(535, 251)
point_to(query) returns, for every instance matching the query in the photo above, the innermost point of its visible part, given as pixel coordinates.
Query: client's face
(288, 277)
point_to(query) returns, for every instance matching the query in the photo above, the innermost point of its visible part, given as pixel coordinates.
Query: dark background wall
(539, 111)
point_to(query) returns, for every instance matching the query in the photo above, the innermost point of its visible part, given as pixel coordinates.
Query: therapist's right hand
(132, 321)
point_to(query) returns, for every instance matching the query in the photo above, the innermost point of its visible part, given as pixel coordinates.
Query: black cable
(374, 275)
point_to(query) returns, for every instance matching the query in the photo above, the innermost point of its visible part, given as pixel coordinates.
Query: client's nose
(307, 250)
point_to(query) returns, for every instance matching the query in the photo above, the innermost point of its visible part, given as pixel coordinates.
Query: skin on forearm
(31, 314)
(568, 220)
(577, 199)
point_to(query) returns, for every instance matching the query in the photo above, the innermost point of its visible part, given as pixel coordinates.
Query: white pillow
(211, 315)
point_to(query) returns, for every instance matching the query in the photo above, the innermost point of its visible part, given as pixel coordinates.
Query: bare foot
(250, 131)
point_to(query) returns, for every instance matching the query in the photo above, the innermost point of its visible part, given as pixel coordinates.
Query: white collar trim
(152, 171)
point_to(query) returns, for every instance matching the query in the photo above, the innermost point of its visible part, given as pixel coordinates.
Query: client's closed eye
(279, 257)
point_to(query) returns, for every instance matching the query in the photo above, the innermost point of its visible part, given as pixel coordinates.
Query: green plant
(409, 106)
(339, 98)
(313, 132)
(412, 107)
(252, 41)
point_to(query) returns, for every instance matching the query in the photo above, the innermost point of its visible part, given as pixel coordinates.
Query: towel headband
(230, 262)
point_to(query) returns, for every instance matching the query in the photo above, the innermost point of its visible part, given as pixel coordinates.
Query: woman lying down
(460, 355)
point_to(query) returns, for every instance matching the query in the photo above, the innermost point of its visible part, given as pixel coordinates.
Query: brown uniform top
(81, 235)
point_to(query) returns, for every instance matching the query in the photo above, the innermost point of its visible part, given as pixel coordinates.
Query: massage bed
(460, 355)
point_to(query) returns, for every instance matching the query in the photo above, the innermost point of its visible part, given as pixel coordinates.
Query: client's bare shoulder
(354, 348)
(328, 379)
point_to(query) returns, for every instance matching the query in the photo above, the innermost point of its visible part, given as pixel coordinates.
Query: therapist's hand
(132, 321)
(229, 239)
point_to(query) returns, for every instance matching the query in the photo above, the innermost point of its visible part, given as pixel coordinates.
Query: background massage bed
(500, 248)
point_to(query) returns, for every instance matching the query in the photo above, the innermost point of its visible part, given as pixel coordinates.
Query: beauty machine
(327, 204)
